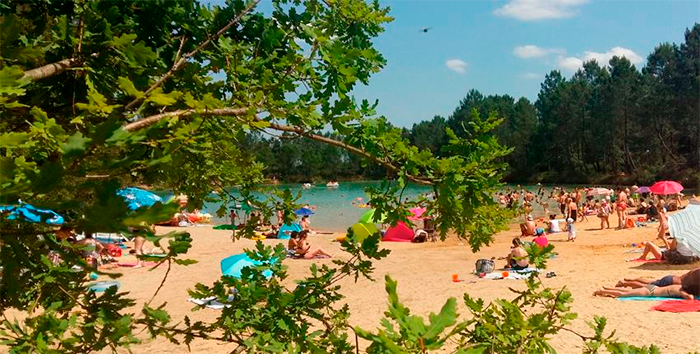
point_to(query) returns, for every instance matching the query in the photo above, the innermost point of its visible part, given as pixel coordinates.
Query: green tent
(369, 218)
(362, 230)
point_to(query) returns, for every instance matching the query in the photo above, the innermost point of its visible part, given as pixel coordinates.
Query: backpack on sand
(485, 266)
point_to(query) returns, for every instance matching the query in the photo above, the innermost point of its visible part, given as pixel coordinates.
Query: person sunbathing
(646, 291)
(676, 253)
(303, 248)
(636, 283)
(517, 258)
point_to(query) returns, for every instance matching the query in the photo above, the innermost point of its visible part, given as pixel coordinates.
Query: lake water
(335, 210)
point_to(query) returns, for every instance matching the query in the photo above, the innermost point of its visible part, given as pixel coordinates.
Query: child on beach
(572, 229)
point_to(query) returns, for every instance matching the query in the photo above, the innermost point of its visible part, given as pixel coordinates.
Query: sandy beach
(424, 272)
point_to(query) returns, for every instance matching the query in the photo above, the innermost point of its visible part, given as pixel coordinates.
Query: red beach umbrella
(666, 187)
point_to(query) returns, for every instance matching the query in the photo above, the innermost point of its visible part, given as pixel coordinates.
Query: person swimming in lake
(517, 258)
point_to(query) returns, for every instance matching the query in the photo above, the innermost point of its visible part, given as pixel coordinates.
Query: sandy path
(424, 275)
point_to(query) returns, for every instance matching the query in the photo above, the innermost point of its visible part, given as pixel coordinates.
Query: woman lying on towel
(646, 291)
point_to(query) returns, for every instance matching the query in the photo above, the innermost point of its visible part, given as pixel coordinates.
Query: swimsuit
(573, 215)
(665, 281)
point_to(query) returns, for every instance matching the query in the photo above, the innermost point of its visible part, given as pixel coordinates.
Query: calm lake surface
(335, 210)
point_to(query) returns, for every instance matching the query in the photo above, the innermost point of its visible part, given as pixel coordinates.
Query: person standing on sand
(621, 209)
(577, 196)
(571, 229)
(603, 211)
(562, 203)
(571, 209)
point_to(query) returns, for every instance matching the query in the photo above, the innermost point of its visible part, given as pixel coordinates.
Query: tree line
(608, 123)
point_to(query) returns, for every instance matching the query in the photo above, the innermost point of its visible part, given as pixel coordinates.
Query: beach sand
(424, 271)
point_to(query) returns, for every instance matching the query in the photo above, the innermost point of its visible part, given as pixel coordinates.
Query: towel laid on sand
(678, 306)
(512, 274)
(210, 302)
(649, 298)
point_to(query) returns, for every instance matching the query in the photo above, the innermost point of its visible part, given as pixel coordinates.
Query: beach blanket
(678, 306)
(649, 298)
(210, 302)
(512, 274)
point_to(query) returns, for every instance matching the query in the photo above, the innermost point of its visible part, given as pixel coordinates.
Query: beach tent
(361, 231)
(30, 213)
(137, 197)
(286, 230)
(685, 227)
(233, 265)
(398, 233)
(369, 218)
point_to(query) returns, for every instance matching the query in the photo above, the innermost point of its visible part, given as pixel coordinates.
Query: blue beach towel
(648, 298)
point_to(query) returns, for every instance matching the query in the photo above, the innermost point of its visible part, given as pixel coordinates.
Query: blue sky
(507, 46)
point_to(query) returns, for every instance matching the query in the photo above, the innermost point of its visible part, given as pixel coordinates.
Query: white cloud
(530, 76)
(533, 51)
(574, 63)
(570, 63)
(457, 66)
(534, 10)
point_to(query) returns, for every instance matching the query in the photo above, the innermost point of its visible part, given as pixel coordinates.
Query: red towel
(678, 306)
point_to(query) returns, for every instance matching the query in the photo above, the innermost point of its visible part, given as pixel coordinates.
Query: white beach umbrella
(685, 227)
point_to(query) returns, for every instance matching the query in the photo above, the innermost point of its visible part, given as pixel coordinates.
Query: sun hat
(569, 220)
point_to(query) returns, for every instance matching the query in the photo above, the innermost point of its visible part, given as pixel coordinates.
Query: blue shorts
(665, 281)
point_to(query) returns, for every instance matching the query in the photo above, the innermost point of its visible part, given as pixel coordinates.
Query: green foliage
(521, 325)
(412, 334)
(96, 96)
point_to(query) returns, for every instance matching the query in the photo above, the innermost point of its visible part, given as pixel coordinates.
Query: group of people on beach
(626, 203)
(94, 252)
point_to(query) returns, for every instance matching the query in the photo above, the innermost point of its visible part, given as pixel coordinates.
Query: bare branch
(150, 120)
(49, 70)
(237, 112)
(350, 148)
(180, 62)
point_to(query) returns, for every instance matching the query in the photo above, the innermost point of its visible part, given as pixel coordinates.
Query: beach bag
(485, 266)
